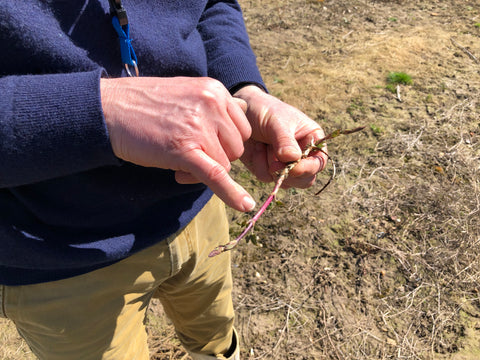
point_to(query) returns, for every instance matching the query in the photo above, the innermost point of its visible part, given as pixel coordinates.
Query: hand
(190, 125)
(280, 133)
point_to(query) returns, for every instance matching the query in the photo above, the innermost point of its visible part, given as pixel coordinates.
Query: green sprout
(394, 79)
(377, 130)
(399, 78)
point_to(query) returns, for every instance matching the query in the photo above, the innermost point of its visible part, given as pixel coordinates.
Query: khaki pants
(99, 315)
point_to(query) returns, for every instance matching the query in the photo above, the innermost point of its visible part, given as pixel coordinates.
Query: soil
(384, 263)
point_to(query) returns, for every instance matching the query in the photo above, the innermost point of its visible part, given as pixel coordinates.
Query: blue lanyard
(120, 23)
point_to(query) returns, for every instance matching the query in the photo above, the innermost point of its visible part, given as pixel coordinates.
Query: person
(112, 188)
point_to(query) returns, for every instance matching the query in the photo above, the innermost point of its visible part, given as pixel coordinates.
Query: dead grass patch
(384, 264)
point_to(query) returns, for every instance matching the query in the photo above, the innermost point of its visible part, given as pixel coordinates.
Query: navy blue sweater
(67, 204)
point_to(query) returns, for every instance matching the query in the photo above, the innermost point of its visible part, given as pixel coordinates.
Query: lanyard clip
(126, 49)
(117, 9)
(120, 23)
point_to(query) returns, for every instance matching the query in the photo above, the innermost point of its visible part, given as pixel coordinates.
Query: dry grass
(12, 346)
(383, 264)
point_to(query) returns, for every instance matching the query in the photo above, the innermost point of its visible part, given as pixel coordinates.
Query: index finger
(216, 177)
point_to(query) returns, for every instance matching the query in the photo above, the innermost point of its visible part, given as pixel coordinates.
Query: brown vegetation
(384, 263)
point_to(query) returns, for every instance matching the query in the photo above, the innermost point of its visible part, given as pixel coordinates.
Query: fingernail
(248, 203)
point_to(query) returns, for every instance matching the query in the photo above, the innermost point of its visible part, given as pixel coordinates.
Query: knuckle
(214, 84)
(211, 87)
(212, 92)
(217, 173)
(237, 152)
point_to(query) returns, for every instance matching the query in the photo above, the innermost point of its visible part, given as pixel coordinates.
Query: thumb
(206, 170)
(285, 146)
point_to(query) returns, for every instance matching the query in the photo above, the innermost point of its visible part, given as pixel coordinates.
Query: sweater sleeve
(230, 57)
(51, 126)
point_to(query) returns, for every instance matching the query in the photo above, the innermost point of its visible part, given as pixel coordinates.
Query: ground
(382, 264)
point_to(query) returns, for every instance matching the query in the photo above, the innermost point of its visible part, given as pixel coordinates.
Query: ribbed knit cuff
(55, 127)
(235, 69)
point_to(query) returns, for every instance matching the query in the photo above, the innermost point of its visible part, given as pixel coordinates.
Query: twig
(284, 329)
(317, 146)
(337, 354)
(473, 57)
(334, 172)
(399, 98)
(283, 175)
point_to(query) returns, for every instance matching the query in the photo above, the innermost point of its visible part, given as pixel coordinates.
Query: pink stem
(219, 249)
(264, 207)
(313, 146)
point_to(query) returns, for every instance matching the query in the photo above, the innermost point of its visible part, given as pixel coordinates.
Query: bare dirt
(384, 264)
